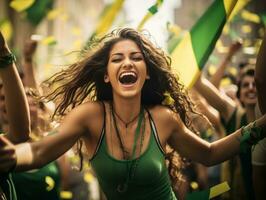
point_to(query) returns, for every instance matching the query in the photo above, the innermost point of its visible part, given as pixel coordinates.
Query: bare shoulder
(88, 114)
(164, 114)
(166, 120)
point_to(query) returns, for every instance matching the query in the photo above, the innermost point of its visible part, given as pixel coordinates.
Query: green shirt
(41, 184)
(150, 179)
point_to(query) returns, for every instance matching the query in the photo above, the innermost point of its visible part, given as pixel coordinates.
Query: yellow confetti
(64, 17)
(212, 69)
(194, 185)
(50, 183)
(247, 43)
(66, 195)
(249, 16)
(225, 82)
(246, 29)
(6, 29)
(218, 189)
(168, 100)
(21, 5)
(232, 70)
(49, 40)
(76, 31)
(88, 177)
(77, 44)
(52, 14)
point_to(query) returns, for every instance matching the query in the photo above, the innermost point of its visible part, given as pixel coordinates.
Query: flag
(107, 17)
(209, 193)
(151, 11)
(192, 52)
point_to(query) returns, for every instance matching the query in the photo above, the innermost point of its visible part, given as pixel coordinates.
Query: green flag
(192, 52)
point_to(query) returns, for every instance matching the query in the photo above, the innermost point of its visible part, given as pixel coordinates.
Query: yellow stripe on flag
(108, 18)
(228, 6)
(183, 57)
(218, 189)
(144, 20)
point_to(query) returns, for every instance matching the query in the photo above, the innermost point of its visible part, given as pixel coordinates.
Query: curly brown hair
(84, 80)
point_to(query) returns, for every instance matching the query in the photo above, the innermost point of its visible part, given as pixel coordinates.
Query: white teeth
(127, 74)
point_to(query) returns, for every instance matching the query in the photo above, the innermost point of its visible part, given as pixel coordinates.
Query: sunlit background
(64, 26)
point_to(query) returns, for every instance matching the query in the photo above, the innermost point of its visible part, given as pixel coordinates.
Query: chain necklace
(121, 188)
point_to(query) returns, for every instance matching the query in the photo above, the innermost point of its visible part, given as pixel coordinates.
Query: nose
(127, 63)
(251, 86)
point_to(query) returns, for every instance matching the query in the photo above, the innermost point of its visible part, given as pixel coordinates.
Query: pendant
(122, 188)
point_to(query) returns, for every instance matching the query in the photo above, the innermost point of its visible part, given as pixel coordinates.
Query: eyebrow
(121, 54)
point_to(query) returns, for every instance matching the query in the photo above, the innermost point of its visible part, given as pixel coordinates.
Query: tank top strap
(154, 131)
(102, 132)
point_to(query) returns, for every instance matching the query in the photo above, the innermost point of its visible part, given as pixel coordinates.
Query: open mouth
(128, 78)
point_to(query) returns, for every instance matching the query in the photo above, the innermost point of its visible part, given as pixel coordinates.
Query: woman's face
(126, 69)
(248, 93)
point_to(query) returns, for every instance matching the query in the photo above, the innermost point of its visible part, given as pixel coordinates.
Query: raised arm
(15, 98)
(218, 75)
(260, 76)
(221, 102)
(28, 66)
(192, 146)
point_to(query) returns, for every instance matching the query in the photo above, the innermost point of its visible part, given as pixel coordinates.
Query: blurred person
(259, 151)
(123, 123)
(15, 120)
(233, 117)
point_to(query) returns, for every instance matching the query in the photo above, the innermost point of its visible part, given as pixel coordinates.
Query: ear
(106, 78)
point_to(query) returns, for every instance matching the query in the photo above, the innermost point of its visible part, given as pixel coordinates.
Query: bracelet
(7, 60)
(250, 135)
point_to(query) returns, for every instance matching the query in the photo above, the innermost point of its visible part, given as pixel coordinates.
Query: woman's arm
(28, 67)
(37, 154)
(218, 75)
(222, 103)
(260, 76)
(192, 146)
(15, 98)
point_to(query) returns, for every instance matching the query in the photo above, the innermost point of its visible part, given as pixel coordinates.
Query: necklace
(131, 168)
(126, 123)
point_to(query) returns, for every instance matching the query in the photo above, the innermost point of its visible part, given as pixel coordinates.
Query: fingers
(8, 155)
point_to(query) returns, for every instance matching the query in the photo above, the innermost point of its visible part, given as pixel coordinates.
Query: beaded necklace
(132, 166)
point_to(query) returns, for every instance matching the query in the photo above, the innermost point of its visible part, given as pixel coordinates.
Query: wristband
(250, 135)
(7, 60)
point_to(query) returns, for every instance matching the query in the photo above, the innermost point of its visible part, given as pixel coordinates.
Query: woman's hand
(4, 50)
(8, 156)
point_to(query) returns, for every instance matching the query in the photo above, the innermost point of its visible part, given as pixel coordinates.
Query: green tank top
(150, 181)
(41, 184)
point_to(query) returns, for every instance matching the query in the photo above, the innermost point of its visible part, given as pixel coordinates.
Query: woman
(124, 126)
(14, 110)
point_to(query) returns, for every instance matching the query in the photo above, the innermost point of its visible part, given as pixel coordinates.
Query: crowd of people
(144, 135)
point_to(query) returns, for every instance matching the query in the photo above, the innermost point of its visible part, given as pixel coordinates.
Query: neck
(250, 111)
(127, 109)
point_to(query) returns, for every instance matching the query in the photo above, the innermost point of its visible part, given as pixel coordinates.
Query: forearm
(16, 103)
(37, 154)
(28, 68)
(260, 76)
(221, 103)
(229, 146)
(218, 75)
